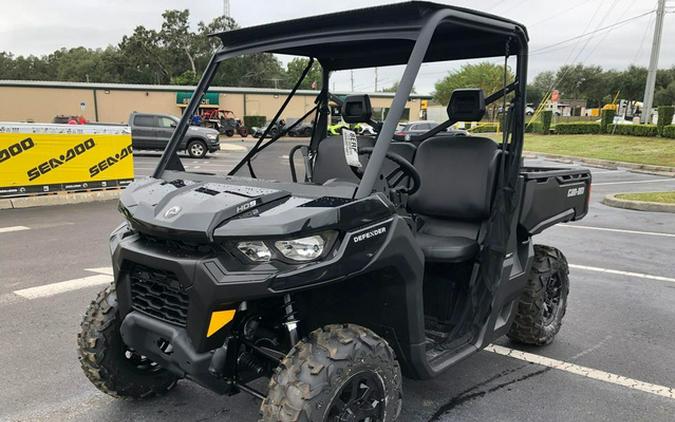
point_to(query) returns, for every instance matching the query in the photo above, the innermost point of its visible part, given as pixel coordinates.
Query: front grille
(158, 294)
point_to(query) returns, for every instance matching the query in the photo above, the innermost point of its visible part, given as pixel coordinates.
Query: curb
(59, 199)
(612, 165)
(612, 201)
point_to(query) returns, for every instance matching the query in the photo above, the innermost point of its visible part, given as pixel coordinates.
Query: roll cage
(407, 33)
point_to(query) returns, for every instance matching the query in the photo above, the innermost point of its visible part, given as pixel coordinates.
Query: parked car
(151, 131)
(303, 128)
(421, 126)
(259, 130)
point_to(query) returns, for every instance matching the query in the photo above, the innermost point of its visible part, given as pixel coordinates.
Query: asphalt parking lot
(613, 359)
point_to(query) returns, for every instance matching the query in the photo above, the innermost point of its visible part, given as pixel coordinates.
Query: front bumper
(141, 332)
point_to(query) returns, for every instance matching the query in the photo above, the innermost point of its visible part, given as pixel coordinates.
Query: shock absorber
(291, 321)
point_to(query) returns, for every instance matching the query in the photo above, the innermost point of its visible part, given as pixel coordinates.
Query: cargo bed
(553, 195)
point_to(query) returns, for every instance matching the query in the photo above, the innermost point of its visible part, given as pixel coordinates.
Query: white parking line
(607, 229)
(101, 270)
(64, 286)
(13, 229)
(624, 273)
(608, 377)
(104, 276)
(632, 182)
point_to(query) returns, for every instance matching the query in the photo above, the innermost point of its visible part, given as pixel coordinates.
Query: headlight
(212, 136)
(303, 249)
(255, 251)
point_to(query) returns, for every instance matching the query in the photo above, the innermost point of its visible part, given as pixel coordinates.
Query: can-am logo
(576, 191)
(370, 234)
(172, 212)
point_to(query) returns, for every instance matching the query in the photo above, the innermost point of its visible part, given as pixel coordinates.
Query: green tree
(294, 70)
(394, 88)
(487, 76)
(544, 81)
(142, 53)
(178, 42)
(665, 96)
(534, 95)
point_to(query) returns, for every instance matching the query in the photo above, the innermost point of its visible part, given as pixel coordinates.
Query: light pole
(653, 64)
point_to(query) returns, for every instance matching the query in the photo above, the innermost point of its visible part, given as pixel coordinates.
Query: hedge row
(577, 128)
(668, 131)
(534, 127)
(546, 119)
(633, 130)
(257, 121)
(484, 128)
(665, 117)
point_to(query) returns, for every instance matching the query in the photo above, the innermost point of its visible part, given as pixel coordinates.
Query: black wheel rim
(553, 298)
(360, 399)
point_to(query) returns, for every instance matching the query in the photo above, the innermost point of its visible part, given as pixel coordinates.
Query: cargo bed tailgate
(553, 195)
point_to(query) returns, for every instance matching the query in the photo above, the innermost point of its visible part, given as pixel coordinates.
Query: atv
(225, 122)
(388, 258)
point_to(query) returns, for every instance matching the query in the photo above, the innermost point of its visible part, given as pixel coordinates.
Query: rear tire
(543, 303)
(108, 363)
(338, 367)
(229, 133)
(196, 149)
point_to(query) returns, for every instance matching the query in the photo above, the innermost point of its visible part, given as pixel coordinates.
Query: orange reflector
(219, 319)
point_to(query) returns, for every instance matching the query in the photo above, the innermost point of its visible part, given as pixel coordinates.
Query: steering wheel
(404, 169)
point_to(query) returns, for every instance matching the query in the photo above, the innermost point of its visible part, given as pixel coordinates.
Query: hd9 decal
(34, 159)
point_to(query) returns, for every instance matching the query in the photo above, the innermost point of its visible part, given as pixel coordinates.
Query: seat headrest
(357, 109)
(467, 105)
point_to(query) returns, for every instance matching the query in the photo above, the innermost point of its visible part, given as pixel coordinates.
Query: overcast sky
(42, 26)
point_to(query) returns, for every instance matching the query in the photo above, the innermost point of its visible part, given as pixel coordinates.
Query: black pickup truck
(151, 131)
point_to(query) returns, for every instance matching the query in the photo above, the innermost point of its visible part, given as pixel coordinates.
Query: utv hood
(189, 209)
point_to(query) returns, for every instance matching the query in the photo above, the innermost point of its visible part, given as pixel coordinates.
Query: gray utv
(389, 257)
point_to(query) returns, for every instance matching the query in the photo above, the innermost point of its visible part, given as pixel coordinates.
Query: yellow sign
(424, 104)
(46, 162)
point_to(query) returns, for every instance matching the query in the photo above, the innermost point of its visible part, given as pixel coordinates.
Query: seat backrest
(330, 160)
(458, 175)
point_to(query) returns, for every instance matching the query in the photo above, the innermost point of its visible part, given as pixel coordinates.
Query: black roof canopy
(381, 36)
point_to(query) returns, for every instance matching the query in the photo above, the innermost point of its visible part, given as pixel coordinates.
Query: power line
(558, 14)
(608, 32)
(594, 32)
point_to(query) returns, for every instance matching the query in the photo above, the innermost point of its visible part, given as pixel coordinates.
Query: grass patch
(629, 149)
(660, 197)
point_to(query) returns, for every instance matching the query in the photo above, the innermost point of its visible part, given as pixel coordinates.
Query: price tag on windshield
(351, 144)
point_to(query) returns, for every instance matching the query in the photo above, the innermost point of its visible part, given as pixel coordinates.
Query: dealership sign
(39, 158)
(209, 98)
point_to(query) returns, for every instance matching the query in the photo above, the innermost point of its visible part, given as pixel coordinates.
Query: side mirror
(467, 105)
(173, 124)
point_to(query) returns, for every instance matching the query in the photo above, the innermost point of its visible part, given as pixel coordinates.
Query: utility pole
(375, 79)
(653, 63)
(226, 8)
(352, 77)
